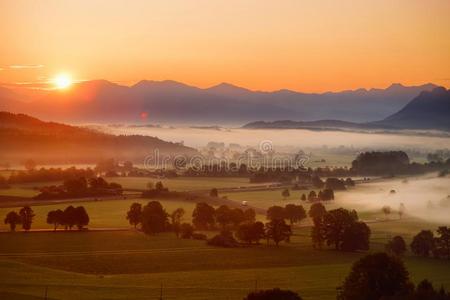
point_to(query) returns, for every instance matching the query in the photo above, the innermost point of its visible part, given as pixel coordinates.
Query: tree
(423, 243)
(396, 246)
(154, 218)
(203, 216)
(327, 195)
(223, 215)
(26, 216)
(214, 192)
(250, 232)
(159, 186)
(356, 237)
(81, 217)
(237, 216)
(335, 222)
(401, 210)
(374, 277)
(303, 197)
(13, 218)
(317, 211)
(134, 214)
(69, 217)
(250, 215)
(277, 230)
(442, 242)
(274, 294)
(294, 213)
(285, 194)
(275, 213)
(55, 218)
(176, 216)
(386, 210)
(150, 185)
(186, 231)
(312, 196)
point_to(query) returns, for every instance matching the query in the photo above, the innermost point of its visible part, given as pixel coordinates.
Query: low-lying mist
(426, 197)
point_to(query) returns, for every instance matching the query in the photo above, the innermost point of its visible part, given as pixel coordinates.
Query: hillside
(23, 137)
(430, 110)
(178, 103)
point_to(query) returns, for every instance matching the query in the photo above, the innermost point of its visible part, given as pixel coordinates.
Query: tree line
(69, 217)
(80, 187)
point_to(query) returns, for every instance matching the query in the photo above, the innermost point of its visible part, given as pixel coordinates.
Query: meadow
(128, 264)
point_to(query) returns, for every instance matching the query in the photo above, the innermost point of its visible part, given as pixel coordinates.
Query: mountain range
(429, 110)
(224, 104)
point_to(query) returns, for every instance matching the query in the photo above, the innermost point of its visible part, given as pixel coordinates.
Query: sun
(62, 81)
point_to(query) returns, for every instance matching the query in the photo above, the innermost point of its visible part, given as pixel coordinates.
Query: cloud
(26, 66)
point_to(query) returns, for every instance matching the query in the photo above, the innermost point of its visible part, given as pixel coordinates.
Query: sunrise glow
(62, 81)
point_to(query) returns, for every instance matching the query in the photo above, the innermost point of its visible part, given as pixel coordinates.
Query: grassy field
(130, 265)
(102, 214)
(182, 183)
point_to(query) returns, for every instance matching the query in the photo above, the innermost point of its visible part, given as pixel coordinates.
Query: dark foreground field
(130, 265)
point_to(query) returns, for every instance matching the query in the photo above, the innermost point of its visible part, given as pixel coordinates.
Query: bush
(274, 294)
(224, 239)
(186, 231)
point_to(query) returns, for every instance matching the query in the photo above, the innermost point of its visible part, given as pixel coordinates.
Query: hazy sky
(266, 45)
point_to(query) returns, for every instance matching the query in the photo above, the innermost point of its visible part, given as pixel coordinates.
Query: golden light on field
(62, 81)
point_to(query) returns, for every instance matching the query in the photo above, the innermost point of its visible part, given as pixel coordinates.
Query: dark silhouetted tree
(186, 230)
(26, 216)
(154, 218)
(303, 197)
(134, 214)
(276, 213)
(396, 246)
(13, 218)
(423, 244)
(203, 216)
(55, 218)
(442, 242)
(250, 215)
(356, 237)
(214, 192)
(386, 211)
(277, 230)
(285, 194)
(176, 217)
(374, 277)
(294, 213)
(81, 217)
(335, 222)
(317, 211)
(69, 217)
(250, 232)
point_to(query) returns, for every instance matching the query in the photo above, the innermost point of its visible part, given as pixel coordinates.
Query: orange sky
(266, 45)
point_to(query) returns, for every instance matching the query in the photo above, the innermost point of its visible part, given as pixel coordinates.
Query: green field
(130, 265)
(102, 214)
(182, 183)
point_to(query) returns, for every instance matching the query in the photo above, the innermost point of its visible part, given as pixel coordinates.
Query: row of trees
(80, 187)
(325, 195)
(426, 244)
(50, 174)
(69, 217)
(24, 217)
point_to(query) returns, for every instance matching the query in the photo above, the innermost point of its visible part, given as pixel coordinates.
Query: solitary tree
(317, 211)
(396, 246)
(312, 196)
(134, 215)
(12, 218)
(214, 192)
(386, 210)
(401, 210)
(303, 197)
(285, 194)
(26, 216)
(376, 276)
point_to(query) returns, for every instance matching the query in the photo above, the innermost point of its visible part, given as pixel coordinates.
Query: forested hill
(23, 137)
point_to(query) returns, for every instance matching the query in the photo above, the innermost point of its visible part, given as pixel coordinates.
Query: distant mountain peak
(225, 87)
